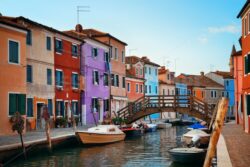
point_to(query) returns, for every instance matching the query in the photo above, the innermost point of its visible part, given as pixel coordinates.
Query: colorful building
(134, 78)
(12, 73)
(236, 65)
(244, 14)
(67, 76)
(95, 68)
(118, 94)
(151, 80)
(166, 87)
(226, 79)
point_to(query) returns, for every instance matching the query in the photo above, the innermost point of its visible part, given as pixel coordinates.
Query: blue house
(151, 80)
(181, 89)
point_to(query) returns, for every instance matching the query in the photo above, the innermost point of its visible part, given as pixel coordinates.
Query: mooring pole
(219, 121)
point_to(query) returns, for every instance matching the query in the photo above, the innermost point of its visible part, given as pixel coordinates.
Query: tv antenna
(82, 9)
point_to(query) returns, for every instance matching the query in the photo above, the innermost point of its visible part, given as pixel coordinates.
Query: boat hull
(98, 138)
(203, 140)
(163, 125)
(130, 132)
(193, 158)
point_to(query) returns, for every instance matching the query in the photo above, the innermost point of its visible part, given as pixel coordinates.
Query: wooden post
(222, 109)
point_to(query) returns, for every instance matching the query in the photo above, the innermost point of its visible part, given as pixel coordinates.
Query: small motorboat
(203, 137)
(151, 128)
(188, 155)
(162, 125)
(132, 132)
(198, 126)
(101, 134)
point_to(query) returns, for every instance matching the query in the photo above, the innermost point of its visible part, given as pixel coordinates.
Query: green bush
(61, 122)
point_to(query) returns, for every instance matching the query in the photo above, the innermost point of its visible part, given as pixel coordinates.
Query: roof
(243, 9)
(238, 53)
(132, 59)
(83, 36)
(96, 33)
(163, 82)
(145, 60)
(129, 75)
(16, 19)
(224, 74)
(197, 81)
(5, 21)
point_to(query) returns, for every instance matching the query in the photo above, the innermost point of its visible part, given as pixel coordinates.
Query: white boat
(162, 125)
(203, 136)
(101, 134)
(151, 128)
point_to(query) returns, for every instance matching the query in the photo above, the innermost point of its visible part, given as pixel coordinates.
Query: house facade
(13, 88)
(67, 74)
(151, 80)
(244, 15)
(166, 87)
(134, 78)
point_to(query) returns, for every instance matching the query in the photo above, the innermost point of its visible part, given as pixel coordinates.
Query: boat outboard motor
(195, 141)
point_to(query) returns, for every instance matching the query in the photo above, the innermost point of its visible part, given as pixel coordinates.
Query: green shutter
(22, 103)
(12, 104)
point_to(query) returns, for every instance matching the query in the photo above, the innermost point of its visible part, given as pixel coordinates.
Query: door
(39, 116)
(117, 106)
(101, 111)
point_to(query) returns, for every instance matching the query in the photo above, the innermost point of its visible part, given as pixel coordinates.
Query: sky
(187, 36)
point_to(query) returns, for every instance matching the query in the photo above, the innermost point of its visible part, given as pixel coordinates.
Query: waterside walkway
(237, 143)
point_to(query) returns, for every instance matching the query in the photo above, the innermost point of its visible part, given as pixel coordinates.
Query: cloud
(202, 39)
(233, 29)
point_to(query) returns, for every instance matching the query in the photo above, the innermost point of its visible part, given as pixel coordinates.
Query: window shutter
(12, 104)
(97, 77)
(22, 104)
(248, 104)
(246, 65)
(93, 76)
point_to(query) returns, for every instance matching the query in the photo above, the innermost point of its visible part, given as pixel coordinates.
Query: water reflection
(150, 149)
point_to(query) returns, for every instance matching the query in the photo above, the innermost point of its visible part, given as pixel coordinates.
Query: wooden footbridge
(184, 104)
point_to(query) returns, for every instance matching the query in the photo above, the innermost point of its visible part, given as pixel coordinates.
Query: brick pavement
(238, 144)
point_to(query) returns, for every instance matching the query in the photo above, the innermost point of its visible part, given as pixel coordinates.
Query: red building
(134, 78)
(67, 74)
(245, 43)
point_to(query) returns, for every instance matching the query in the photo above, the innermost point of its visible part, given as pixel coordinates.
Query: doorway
(39, 115)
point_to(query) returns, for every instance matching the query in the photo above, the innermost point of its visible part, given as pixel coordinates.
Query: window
(149, 89)
(49, 76)
(117, 80)
(245, 26)
(94, 52)
(105, 79)
(146, 89)
(156, 89)
(172, 92)
(17, 102)
(29, 73)
(227, 83)
(112, 79)
(149, 70)
(106, 105)
(156, 71)
(48, 43)
(94, 105)
(163, 91)
(74, 80)
(75, 107)
(59, 108)
(248, 104)
(14, 56)
(123, 57)
(74, 50)
(95, 77)
(128, 87)
(111, 52)
(141, 88)
(141, 71)
(223, 94)
(168, 75)
(59, 78)
(189, 92)
(145, 70)
(29, 107)
(123, 82)
(29, 38)
(247, 64)
(212, 94)
(59, 46)
(227, 94)
(137, 88)
(136, 71)
(106, 57)
(215, 94)
(116, 54)
(168, 92)
(50, 107)
(194, 93)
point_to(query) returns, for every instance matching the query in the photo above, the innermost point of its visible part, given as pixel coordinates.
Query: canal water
(148, 150)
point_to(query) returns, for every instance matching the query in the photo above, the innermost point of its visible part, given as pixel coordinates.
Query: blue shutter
(49, 76)
(48, 43)
(50, 107)
(13, 52)
(21, 103)
(12, 104)
(29, 38)
(29, 73)
(29, 107)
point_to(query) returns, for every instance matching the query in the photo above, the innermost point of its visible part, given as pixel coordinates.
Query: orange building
(245, 41)
(134, 78)
(12, 73)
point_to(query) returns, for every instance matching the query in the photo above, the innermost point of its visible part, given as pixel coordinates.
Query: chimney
(202, 73)
(78, 28)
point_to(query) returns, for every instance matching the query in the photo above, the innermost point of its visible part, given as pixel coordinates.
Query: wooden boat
(204, 137)
(162, 125)
(151, 128)
(101, 134)
(188, 155)
(132, 132)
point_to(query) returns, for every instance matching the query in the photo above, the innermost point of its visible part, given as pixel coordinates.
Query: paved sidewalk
(238, 145)
(35, 136)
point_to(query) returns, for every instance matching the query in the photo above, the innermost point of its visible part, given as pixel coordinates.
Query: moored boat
(203, 136)
(101, 134)
(132, 132)
(151, 128)
(162, 125)
(188, 155)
